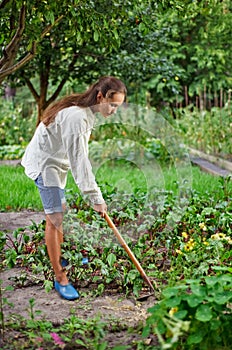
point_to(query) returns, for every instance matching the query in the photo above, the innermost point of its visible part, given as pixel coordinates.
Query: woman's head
(104, 96)
(110, 93)
(108, 86)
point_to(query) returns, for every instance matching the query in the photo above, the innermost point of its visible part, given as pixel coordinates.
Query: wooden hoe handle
(129, 252)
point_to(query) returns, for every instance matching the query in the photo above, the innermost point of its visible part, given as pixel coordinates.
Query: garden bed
(29, 300)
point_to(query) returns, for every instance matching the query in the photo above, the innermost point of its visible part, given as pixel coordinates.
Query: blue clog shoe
(85, 260)
(64, 262)
(67, 292)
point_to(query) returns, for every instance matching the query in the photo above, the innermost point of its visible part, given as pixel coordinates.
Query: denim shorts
(52, 197)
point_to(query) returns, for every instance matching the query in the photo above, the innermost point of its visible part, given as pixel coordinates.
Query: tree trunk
(41, 97)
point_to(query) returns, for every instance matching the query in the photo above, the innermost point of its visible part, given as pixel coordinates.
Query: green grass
(19, 192)
(128, 177)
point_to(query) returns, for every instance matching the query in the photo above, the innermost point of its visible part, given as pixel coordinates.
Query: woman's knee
(54, 220)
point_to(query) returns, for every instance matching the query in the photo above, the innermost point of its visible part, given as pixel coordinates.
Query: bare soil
(127, 311)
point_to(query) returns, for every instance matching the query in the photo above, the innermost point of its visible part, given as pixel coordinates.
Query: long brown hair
(108, 86)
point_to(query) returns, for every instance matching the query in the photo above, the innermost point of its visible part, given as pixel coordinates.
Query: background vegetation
(167, 52)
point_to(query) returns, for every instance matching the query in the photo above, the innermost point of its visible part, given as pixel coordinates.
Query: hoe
(132, 257)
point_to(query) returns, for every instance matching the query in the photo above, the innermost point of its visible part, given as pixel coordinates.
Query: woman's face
(108, 106)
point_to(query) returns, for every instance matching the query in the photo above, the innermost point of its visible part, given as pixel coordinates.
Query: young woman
(60, 143)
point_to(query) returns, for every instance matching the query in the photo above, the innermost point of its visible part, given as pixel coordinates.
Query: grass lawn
(19, 192)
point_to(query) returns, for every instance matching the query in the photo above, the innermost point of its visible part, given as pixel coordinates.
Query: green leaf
(170, 292)
(172, 302)
(115, 34)
(48, 285)
(198, 290)
(194, 300)
(95, 36)
(26, 238)
(49, 16)
(161, 327)
(195, 338)
(204, 313)
(223, 298)
(181, 314)
(111, 259)
(103, 346)
(142, 27)
(132, 275)
(225, 278)
(215, 324)
(80, 342)
(146, 331)
(9, 288)
(222, 268)
(211, 280)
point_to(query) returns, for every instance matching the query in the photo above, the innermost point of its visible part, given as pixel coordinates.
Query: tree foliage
(169, 48)
(188, 45)
(200, 41)
(77, 47)
(23, 25)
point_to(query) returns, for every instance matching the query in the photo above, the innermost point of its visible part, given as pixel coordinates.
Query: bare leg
(53, 239)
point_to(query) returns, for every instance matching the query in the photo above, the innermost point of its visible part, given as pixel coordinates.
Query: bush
(208, 131)
(15, 129)
(194, 315)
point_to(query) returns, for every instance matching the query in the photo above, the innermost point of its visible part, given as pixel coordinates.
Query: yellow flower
(178, 251)
(189, 245)
(173, 310)
(218, 236)
(203, 226)
(184, 235)
(204, 241)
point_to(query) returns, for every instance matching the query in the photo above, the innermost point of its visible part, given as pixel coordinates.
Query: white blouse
(61, 146)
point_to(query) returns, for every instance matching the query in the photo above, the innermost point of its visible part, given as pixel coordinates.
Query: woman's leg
(54, 239)
(54, 206)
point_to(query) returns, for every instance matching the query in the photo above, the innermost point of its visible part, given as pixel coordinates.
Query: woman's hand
(101, 208)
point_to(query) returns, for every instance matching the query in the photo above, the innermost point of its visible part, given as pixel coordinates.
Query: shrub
(15, 129)
(194, 315)
(208, 131)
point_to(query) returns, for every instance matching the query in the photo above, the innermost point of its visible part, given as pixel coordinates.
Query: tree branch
(12, 47)
(10, 52)
(44, 79)
(19, 64)
(49, 27)
(4, 3)
(31, 88)
(63, 81)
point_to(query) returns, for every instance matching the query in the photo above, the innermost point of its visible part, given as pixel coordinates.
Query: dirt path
(10, 221)
(52, 308)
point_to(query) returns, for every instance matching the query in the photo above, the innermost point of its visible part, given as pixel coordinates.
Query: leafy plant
(206, 130)
(15, 129)
(3, 301)
(194, 314)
